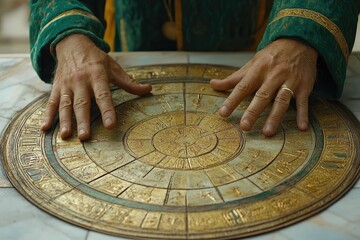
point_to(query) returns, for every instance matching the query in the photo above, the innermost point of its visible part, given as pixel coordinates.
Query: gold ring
(65, 95)
(284, 87)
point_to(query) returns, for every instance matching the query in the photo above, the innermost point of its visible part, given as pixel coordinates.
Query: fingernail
(63, 130)
(43, 125)
(108, 122)
(303, 125)
(223, 110)
(246, 125)
(81, 131)
(269, 129)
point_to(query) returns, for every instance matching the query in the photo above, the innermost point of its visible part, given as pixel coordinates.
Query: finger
(227, 83)
(279, 108)
(103, 98)
(65, 115)
(261, 99)
(82, 102)
(302, 112)
(124, 81)
(230, 81)
(51, 110)
(243, 88)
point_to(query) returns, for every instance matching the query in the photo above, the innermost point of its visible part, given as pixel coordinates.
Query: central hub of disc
(184, 141)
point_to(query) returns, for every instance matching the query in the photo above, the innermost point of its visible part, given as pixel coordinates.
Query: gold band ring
(65, 99)
(284, 87)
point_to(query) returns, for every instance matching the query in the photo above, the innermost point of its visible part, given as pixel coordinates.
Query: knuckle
(282, 99)
(242, 87)
(52, 102)
(129, 80)
(265, 60)
(107, 112)
(81, 102)
(282, 68)
(104, 95)
(263, 94)
(252, 113)
(65, 122)
(65, 103)
(232, 100)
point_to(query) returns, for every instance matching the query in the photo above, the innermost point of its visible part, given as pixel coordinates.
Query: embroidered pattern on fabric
(320, 19)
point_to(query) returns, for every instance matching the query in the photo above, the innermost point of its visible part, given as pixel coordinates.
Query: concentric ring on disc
(186, 142)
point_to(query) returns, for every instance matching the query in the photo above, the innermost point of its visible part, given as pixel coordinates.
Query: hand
(284, 69)
(84, 71)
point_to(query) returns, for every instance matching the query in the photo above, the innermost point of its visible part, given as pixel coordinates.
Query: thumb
(121, 79)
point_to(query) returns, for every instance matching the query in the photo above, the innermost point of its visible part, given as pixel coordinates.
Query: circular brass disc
(174, 169)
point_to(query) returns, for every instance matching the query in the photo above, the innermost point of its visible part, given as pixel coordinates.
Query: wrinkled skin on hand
(84, 72)
(285, 61)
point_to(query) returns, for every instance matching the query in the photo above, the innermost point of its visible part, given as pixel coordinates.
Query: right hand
(284, 64)
(83, 72)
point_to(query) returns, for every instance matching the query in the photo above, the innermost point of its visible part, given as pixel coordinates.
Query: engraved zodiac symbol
(207, 195)
(38, 174)
(283, 166)
(95, 211)
(112, 186)
(28, 159)
(285, 204)
(89, 172)
(236, 190)
(166, 103)
(235, 216)
(160, 126)
(196, 102)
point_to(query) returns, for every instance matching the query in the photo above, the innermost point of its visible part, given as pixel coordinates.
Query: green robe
(329, 26)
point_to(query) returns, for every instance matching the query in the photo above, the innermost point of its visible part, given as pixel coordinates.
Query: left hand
(284, 69)
(84, 72)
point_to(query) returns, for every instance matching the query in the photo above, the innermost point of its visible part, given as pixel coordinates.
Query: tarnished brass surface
(174, 169)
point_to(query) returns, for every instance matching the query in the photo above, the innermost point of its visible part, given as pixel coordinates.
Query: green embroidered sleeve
(51, 21)
(329, 26)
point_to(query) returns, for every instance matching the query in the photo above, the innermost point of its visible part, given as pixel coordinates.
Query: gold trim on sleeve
(68, 13)
(320, 19)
